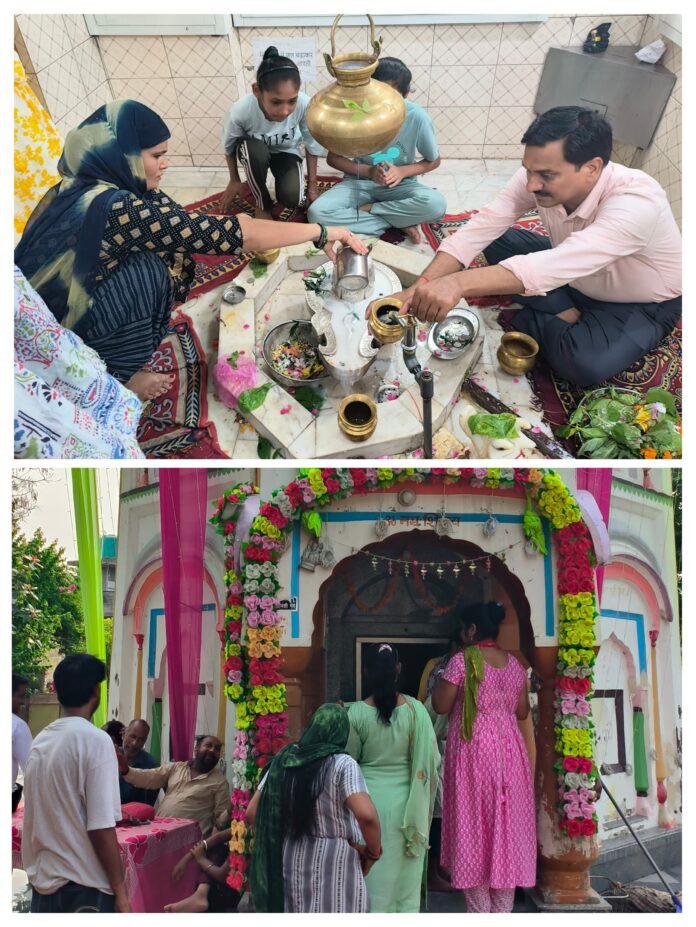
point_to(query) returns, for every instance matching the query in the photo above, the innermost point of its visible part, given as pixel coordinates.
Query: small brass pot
(267, 257)
(381, 322)
(357, 416)
(517, 353)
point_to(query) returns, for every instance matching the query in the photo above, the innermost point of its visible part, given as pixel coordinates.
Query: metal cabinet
(628, 92)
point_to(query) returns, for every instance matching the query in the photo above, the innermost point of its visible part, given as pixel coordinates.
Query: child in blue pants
(376, 196)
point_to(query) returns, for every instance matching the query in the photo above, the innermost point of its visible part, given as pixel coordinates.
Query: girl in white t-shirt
(264, 130)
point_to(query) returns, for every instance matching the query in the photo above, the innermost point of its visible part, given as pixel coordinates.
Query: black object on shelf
(597, 39)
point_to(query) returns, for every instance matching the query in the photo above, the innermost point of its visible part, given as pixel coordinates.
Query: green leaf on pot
(251, 399)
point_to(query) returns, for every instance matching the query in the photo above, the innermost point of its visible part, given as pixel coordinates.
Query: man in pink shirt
(604, 287)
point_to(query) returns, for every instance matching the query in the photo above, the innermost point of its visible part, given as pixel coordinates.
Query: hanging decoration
(490, 526)
(254, 623)
(446, 566)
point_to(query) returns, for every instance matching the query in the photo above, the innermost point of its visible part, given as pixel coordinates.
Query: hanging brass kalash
(356, 115)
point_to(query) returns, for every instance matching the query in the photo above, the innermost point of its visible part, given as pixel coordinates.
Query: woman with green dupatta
(316, 831)
(392, 738)
(488, 815)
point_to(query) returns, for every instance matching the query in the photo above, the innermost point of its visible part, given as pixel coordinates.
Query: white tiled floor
(466, 184)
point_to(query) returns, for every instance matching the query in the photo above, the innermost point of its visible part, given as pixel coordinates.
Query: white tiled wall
(477, 81)
(663, 158)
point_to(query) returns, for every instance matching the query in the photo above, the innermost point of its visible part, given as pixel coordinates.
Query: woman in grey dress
(316, 830)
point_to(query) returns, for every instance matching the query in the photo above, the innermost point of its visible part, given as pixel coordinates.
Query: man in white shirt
(21, 735)
(69, 846)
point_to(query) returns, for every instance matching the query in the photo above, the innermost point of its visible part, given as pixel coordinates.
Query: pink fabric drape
(183, 505)
(597, 481)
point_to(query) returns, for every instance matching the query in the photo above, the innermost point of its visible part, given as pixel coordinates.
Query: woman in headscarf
(311, 814)
(110, 253)
(393, 740)
(488, 816)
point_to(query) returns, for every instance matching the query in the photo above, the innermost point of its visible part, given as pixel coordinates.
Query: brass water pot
(355, 116)
(384, 322)
(357, 416)
(517, 353)
(267, 257)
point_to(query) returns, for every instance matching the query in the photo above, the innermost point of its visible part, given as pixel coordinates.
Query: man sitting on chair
(604, 287)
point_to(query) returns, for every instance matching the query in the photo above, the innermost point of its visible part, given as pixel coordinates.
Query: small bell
(374, 563)
(490, 526)
(407, 569)
(439, 571)
(390, 568)
(531, 547)
(456, 569)
(423, 570)
(472, 567)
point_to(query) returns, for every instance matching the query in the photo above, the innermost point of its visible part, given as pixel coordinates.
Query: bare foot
(367, 207)
(413, 234)
(147, 385)
(262, 214)
(196, 903)
(571, 316)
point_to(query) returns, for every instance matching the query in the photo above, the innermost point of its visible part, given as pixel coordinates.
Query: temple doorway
(363, 602)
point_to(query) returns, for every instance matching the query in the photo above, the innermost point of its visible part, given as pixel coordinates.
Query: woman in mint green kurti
(392, 738)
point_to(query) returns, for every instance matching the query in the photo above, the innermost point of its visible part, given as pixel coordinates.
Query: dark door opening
(414, 653)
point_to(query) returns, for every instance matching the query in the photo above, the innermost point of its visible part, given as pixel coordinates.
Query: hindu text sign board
(302, 51)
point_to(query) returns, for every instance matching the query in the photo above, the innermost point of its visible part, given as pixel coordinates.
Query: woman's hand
(233, 192)
(180, 867)
(366, 861)
(347, 238)
(312, 193)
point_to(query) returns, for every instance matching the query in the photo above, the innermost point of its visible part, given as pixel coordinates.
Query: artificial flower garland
(254, 625)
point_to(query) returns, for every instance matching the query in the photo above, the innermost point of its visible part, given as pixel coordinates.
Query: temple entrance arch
(357, 604)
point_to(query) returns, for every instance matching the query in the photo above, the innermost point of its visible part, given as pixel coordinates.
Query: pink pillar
(183, 511)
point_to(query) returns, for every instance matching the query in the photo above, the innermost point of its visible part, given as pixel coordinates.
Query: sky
(54, 512)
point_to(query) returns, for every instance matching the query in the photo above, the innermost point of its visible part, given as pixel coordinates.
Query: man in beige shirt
(193, 789)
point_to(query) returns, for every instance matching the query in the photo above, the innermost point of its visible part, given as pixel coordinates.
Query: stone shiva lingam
(338, 296)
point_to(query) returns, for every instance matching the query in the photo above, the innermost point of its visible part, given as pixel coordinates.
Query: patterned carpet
(176, 424)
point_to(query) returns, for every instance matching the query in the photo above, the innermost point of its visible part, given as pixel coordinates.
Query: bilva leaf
(251, 399)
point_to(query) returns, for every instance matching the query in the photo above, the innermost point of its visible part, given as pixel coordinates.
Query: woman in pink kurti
(488, 816)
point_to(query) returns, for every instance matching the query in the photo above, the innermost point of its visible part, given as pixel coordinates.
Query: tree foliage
(46, 604)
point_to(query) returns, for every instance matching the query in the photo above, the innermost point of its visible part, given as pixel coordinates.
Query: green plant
(613, 423)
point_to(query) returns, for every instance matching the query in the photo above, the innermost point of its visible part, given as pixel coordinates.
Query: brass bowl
(517, 353)
(384, 330)
(357, 416)
(267, 257)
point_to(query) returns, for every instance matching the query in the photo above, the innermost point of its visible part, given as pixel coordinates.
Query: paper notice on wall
(301, 51)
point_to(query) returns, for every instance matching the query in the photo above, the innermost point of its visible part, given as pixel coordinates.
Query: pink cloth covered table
(148, 853)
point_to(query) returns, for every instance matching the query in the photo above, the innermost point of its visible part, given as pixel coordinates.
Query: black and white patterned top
(159, 225)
